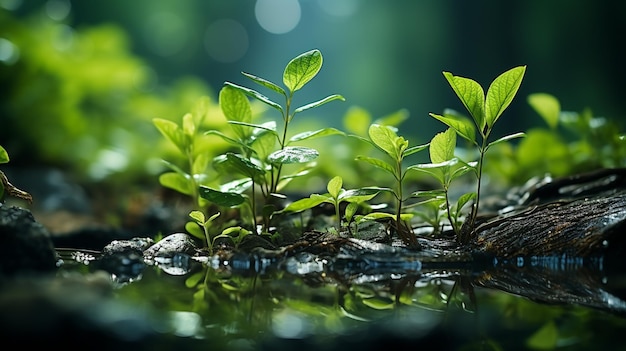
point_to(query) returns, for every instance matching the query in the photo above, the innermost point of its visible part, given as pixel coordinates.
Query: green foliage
(265, 151)
(205, 224)
(335, 196)
(396, 148)
(485, 110)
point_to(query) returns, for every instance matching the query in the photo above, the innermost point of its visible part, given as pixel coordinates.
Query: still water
(522, 304)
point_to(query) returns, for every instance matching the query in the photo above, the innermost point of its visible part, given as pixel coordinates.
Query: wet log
(579, 216)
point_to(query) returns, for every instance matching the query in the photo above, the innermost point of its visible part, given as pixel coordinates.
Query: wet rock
(171, 245)
(26, 245)
(122, 246)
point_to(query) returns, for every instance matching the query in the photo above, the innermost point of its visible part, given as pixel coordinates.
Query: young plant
(385, 139)
(205, 224)
(263, 149)
(485, 111)
(335, 196)
(445, 167)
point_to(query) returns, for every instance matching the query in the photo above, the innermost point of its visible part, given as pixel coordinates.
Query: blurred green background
(81, 80)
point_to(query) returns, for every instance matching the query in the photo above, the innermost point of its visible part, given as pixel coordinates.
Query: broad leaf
(319, 103)
(386, 139)
(197, 216)
(302, 69)
(176, 181)
(356, 120)
(442, 146)
(236, 186)
(471, 95)
(266, 83)
(501, 92)
(377, 163)
(463, 200)
(234, 162)
(255, 94)
(189, 126)
(315, 134)
(463, 127)
(221, 198)
(293, 154)
(172, 132)
(358, 195)
(547, 106)
(334, 186)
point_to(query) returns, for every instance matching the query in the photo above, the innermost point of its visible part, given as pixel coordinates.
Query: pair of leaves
(485, 109)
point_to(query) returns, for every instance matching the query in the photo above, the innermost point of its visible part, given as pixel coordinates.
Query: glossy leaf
(547, 106)
(236, 107)
(241, 165)
(387, 140)
(507, 138)
(302, 69)
(471, 95)
(501, 92)
(266, 83)
(221, 198)
(358, 195)
(414, 149)
(293, 154)
(306, 203)
(197, 216)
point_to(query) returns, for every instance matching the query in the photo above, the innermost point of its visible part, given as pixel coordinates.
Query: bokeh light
(278, 16)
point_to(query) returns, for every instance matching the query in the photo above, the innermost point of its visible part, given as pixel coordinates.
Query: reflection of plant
(264, 151)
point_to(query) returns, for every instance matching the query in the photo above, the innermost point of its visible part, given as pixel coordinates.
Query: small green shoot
(6, 186)
(335, 196)
(204, 224)
(485, 111)
(385, 139)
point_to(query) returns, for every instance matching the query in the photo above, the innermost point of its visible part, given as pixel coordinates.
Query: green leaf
(377, 163)
(4, 155)
(545, 338)
(319, 103)
(358, 195)
(442, 146)
(357, 120)
(293, 154)
(334, 186)
(236, 107)
(197, 216)
(471, 95)
(306, 203)
(266, 83)
(547, 106)
(193, 229)
(315, 134)
(172, 132)
(507, 138)
(221, 198)
(463, 200)
(302, 69)
(176, 181)
(189, 126)
(386, 139)
(255, 94)
(201, 110)
(236, 186)
(463, 127)
(501, 92)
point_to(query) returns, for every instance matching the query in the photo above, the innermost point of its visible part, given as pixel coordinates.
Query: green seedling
(204, 224)
(385, 139)
(192, 146)
(485, 111)
(264, 150)
(335, 196)
(236, 234)
(445, 167)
